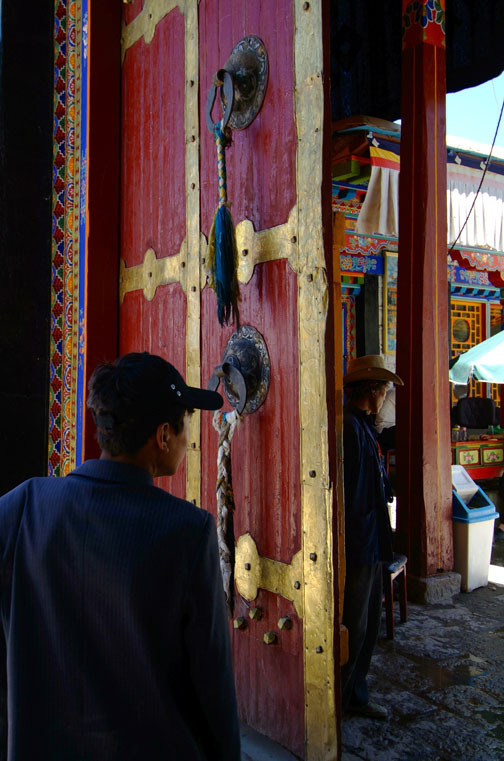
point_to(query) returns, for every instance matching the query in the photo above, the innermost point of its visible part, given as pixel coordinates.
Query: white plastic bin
(473, 529)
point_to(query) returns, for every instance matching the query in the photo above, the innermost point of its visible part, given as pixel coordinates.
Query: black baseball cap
(148, 383)
(190, 396)
(132, 395)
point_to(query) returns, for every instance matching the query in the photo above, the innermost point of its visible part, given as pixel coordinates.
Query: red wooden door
(168, 199)
(265, 453)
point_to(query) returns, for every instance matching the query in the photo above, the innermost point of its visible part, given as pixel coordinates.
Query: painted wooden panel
(261, 179)
(153, 143)
(262, 160)
(265, 451)
(153, 190)
(158, 327)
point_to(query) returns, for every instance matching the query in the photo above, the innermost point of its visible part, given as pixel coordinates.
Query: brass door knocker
(244, 371)
(242, 83)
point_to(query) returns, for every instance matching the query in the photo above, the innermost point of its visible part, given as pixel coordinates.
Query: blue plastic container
(479, 508)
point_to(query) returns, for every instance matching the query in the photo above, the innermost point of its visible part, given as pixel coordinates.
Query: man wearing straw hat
(368, 536)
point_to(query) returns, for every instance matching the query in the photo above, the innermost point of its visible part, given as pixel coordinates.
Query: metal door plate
(248, 66)
(246, 350)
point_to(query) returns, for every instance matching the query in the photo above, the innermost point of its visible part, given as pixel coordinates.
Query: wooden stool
(390, 572)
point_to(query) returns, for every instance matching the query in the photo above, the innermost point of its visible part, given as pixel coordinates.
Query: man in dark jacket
(368, 536)
(115, 635)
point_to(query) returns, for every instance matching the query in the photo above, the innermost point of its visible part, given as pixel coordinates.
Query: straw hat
(369, 367)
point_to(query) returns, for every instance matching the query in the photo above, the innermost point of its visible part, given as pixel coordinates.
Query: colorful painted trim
(343, 207)
(382, 157)
(349, 328)
(81, 210)
(69, 239)
(371, 265)
(363, 244)
(480, 260)
(58, 239)
(460, 276)
(350, 209)
(348, 193)
(424, 21)
(471, 281)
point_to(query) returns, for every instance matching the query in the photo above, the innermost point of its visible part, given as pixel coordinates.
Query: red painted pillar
(424, 526)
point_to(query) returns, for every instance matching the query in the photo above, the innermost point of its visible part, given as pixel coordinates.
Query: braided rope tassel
(225, 424)
(222, 252)
(221, 144)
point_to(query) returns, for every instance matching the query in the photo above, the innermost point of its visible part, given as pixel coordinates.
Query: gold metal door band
(320, 615)
(144, 25)
(253, 572)
(196, 243)
(152, 273)
(253, 248)
(300, 241)
(278, 242)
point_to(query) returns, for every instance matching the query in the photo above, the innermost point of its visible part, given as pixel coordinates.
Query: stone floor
(442, 678)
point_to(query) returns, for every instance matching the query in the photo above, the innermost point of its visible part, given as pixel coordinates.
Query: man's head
(367, 380)
(131, 397)
(368, 394)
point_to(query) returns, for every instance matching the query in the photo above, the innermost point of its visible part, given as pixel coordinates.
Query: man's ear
(163, 435)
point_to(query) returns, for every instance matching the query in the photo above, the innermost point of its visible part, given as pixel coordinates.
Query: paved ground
(442, 678)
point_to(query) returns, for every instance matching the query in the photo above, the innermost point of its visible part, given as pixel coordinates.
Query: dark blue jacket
(114, 624)
(368, 536)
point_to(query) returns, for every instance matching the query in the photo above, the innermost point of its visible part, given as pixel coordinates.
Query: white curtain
(380, 210)
(485, 228)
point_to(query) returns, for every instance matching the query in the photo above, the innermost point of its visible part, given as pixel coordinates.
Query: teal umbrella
(483, 362)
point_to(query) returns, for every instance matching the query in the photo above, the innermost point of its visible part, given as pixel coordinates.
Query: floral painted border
(372, 265)
(68, 236)
(485, 261)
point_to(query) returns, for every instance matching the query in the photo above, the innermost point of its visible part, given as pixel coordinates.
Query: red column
(424, 526)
